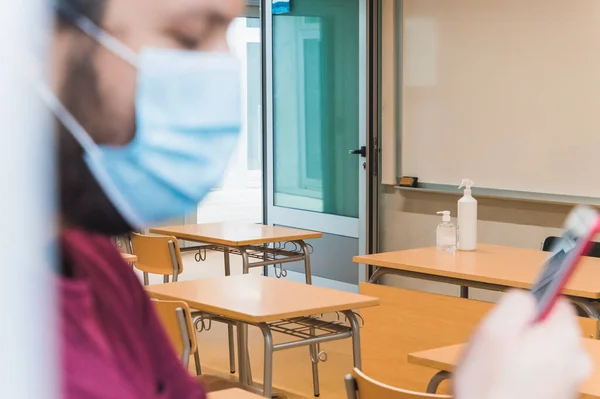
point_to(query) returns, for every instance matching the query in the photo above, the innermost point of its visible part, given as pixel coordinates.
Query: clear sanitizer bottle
(446, 233)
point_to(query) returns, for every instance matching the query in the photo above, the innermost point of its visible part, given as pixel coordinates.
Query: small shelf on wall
(480, 192)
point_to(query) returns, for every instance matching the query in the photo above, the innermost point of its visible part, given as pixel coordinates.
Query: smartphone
(581, 226)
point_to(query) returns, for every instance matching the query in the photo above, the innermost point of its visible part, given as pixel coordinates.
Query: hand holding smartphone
(580, 228)
(508, 356)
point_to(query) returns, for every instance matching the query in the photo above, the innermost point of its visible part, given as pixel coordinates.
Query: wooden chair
(177, 322)
(161, 255)
(360, 386)
(549, 242)
(157, 255)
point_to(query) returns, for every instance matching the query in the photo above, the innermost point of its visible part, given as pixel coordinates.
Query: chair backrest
(360, 386)
(177, 322)
(549, 242)
(157, 255)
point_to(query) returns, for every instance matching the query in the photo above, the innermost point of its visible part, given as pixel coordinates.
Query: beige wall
(487, 78)
(441, 39)
(408, 220)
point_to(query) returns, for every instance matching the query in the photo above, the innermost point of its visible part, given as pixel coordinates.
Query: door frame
(367, 222)
(373, 30)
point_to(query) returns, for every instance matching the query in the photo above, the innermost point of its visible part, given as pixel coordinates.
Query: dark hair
(92, 9)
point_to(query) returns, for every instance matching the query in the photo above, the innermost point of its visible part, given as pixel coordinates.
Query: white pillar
(28, 345)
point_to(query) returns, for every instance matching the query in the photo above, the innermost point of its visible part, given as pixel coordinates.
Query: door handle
(362, 152)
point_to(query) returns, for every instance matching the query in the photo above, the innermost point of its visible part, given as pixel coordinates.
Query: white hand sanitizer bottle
(446, 234)
(467, 219)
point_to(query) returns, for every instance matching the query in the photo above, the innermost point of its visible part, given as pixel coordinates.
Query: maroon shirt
(113, 346)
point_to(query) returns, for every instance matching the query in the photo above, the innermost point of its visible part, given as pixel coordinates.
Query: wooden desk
(489, 267)
(233, 234)
(265, 302)
(129, 258)
(255, 299)
(412, 321)
(232, 394)
(250, 241)
(265, 245)
(445, 359)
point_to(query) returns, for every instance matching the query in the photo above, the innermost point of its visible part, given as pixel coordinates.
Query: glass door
(316, 117)
(239, 196)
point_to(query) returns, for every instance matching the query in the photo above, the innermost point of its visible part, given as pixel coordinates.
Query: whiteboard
(505, 92)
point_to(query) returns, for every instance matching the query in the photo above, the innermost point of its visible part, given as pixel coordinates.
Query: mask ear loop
(68, 121)
(91, 150)
(111, 43)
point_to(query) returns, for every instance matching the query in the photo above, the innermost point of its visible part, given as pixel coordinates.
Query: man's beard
(83, 203)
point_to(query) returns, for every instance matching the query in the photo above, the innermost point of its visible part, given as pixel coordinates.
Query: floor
(292, 368)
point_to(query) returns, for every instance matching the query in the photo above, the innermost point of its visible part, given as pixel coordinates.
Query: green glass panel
(316, 106)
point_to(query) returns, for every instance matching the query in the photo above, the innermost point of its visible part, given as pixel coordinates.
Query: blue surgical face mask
(188, 114)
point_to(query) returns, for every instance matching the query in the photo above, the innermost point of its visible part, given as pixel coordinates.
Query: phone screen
(552, 270)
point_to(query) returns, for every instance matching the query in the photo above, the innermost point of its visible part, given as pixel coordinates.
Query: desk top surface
(447, 358)
(232, 394)
(256, 299)
(235, 234)
(491, 264)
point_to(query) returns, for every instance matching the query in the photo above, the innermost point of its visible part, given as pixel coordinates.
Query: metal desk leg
(314, 359)
(197, 363)
(265, 268)
(351, 387)
(229, 326)
(377, 275)
(227, 262)
(307, 270)
(586, 307)
(245, 260)
(436, 380)
(246, 270)
(355, 338)
(248, 367)
(242, 354)
(268, 384)
(314, 349)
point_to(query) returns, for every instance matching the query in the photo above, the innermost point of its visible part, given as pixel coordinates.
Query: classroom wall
(487, 78)
(408, 220)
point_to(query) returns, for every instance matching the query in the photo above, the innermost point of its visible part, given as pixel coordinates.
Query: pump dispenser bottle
(446, 234)
(467, 219)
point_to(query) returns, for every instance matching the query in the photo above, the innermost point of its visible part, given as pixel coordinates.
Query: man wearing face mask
(147, 103)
